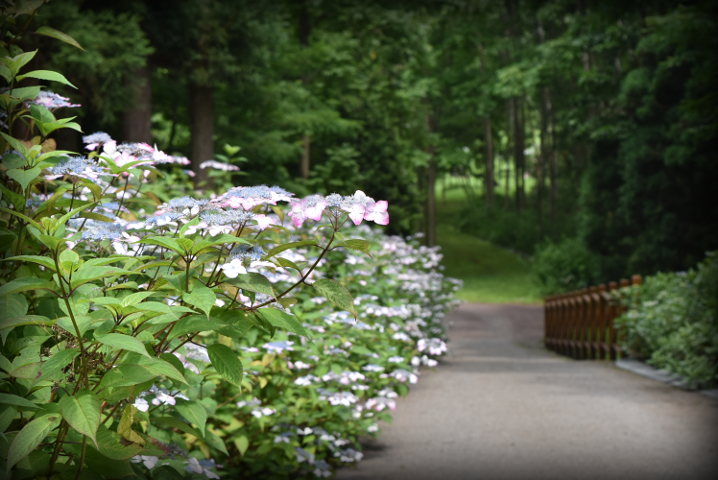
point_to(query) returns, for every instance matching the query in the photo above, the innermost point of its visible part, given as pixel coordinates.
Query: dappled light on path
(502, 407)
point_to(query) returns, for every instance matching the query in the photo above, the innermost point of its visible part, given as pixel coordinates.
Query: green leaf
(135, 298)
(71, 214)
(193, 412)
(24, 177)
(8, 399)
(157, 307)
(283, 262)
(124, 428)
(24, 284)
(57, 362)
(242, 444)
(51, 32)
(123, 342)
(194, 323)
(165, 242)
(29, 438)
(24, 217)
(105, 466)
(19, 61)
(357, 244)
(10, 160)
(254, 282)
(12, 306)
(281, 319)
(215, 442)
(82, 412)
(178, 424)
(46, 75)
(83, 323)
(200, 297)
(174, 361)
(44, 261)
(127, 375)
(111, 446)
(6, 73)
(87, 274)
(287, 246)
(162, 367)
(18, 201)
(7, 416)
(226, 362)
(15, 143)
(336, 293)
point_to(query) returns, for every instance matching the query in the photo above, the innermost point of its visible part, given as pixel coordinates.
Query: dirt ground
(502, 407)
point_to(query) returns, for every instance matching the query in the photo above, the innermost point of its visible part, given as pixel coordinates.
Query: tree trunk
(305, 29)
(431, 192)
(542, 159)
(489, 168)
(553, 165)
(137, 119)
(304, 166)
(518, 152)
(202, 130)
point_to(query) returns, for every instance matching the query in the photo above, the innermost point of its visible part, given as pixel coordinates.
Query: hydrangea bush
(671, 321)
(152, 334)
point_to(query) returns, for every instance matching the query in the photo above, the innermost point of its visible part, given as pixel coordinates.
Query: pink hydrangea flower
(310, 207)
(377, 212)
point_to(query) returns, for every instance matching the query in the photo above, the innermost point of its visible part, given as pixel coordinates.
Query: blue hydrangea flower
(76, 168)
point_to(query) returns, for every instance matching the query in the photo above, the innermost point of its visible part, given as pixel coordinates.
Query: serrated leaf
(51, 32)
(24, 177)
(215, 442)
(336, 293)
(357, 244)
(44, 261)
(8, 399)
(226, 362)
(29, 438)
(83, 323)
(18, 201)
(254, 282)
(123, 342)
(127, 375)
(24, 217)
(82, 412)
(165, 242)
(125, 426)
(162, 367)
(12, 306)
(193, 412)
(287, 246)
(111, 446)
(200, 297)
(178, 424)
(283, 320)
(24, 284)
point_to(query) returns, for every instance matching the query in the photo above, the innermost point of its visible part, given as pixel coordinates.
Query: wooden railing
(580, 324)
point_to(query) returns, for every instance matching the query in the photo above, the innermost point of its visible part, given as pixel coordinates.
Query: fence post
(612, 314)
(601, 327)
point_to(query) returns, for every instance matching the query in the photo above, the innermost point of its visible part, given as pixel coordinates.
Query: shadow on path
(502, 407)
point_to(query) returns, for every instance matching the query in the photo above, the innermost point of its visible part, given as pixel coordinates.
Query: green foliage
(564, 266)
(123, 318)
(672, 322)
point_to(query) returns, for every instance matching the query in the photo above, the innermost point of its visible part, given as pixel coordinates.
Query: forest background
(580, 131)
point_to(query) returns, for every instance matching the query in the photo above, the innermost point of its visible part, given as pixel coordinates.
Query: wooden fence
(580, 324)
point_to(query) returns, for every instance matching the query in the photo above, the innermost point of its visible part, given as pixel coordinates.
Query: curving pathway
(501, 407)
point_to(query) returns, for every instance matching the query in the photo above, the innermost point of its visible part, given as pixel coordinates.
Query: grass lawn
(491, 274)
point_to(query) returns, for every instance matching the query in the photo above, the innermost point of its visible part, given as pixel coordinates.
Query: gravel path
(502, 407)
